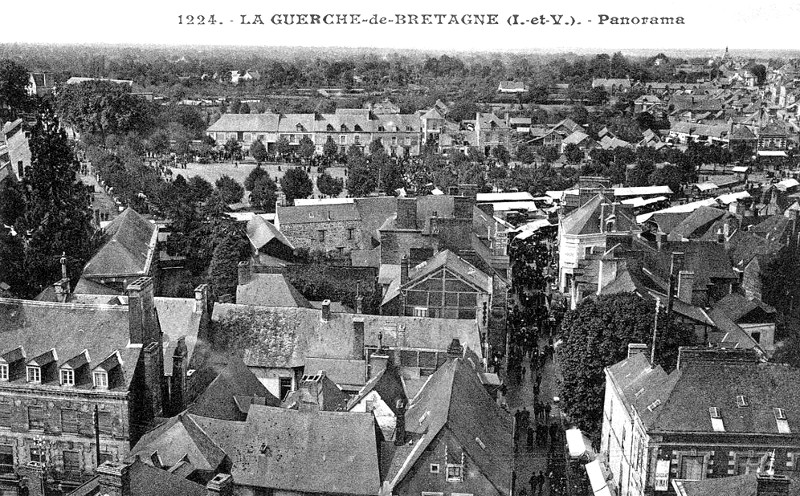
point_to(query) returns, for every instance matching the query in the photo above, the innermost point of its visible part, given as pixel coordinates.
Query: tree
(104, 108)
(329, 150)
(306, 148)
(244, 109)
(462, 110)
(760, 72)
(264, 193)
(596, 335)
(55, 216)
(549, 153)
(501, 154)
(232, 148)
(13, 87)
(231, 248)
(230, 190)
(669, 175)
(329, 186)
(198, 189)
(361, 179)
(296, 184)
(259, 152)
(282, 147)
(780, 280)
(573, 153)
(253, 177)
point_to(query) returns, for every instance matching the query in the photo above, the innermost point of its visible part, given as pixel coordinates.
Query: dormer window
(67, 377)
(34, 374)
(455, 473)
(716, 419)
(653, 405)
(3, 371)
(100, 379)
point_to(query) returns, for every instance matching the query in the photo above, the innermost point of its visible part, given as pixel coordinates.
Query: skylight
(782, 421)
(741, 401)
(716, 419)
(654, 405)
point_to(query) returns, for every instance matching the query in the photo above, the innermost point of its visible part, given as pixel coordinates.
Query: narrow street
(529, 462)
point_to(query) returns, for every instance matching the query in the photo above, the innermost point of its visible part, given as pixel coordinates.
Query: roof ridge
(56, 304)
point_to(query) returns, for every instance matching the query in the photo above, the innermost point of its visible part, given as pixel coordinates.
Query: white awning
(641, 202)
(771, 153)
(597, 479)
(741, 169)
(578, 444)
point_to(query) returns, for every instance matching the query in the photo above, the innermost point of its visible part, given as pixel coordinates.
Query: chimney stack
(180, 366)
(378, 361)
(403, 270)
(660, 238)
(326, 310)
(685, 286)
(772, 485)
(114, 479)
(455, 350)
(358, 338)
(637, 349)
(400, 423)
(359, 304)
(141, 312)
(201, 298)
(220, 485)
(245, 272)
(62, 290)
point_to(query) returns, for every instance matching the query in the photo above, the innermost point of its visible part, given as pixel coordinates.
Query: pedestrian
(532, 482)
(553, 433)
(535, 390)
(547, 410)
(539, 378)
(529, 440)
(523, 372)
(517, 422)
(540, 478)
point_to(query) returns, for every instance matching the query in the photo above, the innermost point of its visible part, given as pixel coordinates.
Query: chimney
(220, 485)
(406, 213)
(637, 349)
(603, 206)
(245, 272)
(62, 290)
(685, 286)
(358, 338)
(455, 350)
(201, 298)
(378, 361)
(468, 190)
(141, 312)
(660, 238)
(772, 485)
(114, 479)
(33, 475)
(180, 366)
(326, 310)
(400, 422)
(403, 270)
(153, 376)
(702, 354)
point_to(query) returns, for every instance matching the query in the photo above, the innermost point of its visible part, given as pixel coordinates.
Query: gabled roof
(454, 263)
(129, 249)
(270, 290)
(586, 218)
(265, 123)
(261, 232)
(696, 224)
(454, 399)
(773, 128)
(179, 438)
(707, 259)
(69, 329)
(311, 214)
(146, 480)
(389, 386)
(309, 452)
(736, 306)
(217, 401)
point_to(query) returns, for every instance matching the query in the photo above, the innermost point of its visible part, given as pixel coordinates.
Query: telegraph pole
(97, 433)
(655, 333)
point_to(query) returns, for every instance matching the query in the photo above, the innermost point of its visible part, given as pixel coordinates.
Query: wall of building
(624, 442)
(571, 249)
(345, 235)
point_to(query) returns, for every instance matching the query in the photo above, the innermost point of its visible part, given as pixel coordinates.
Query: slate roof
(270, 290)
(745, 246)
(687, 394)
(586, 218)
(389, 386)
(706, 258)
(308, 452)
(178, 319)
(311, 214)
(285, 337)
(260, 232)
(217, 401)
(129, 249)
(146, 480)
(265, 123)
(68, 328)
(179, 438)
(453, 262)
(454, 399)
(736, 306)
(696, 224)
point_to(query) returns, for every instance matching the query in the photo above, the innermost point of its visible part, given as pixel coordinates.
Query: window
(780, 419)
(5, 414)
(749, 463)
(72, 461)
(285, 384)
(343, 140)
(654, 405)
(67, 377)
(357, 139)
(34, 374)
(291, 138)
(692, 467)
(100, 379)
(394, 140)
(350, 233)
(106, 457)
(321, 235)
(69, 421)
(37, 454)
(408, 141)
(420, 312)
(434, 468)
(716, 419)
(455, 473)
(6, 459)
(3, 371)
(104, 423)
(35, 417)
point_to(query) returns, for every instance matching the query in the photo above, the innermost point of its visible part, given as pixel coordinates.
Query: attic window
(741, 401)
(716, 419)
(34, 374)
(434, 468)
(67, 377)
(783, 423)
(100, 379)
(3, 371)
(653, 405)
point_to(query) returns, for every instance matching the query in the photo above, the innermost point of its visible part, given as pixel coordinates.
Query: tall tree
(13, 87)
(264, 194)
(306, 147)
(56, 216)
(231, 246)
(104, 108)
(253, 177)
(230, 189)
(295, 183)
(596, 335)
(259, 152)
(329, 186)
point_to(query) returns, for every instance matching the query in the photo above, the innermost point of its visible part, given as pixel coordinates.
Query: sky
(714, 24)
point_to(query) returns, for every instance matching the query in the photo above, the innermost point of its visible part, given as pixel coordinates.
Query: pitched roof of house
(129, 249)
(686, 394)
(318, 391)
(286, 337)
(736, 306)
(707, 259)
(454, 399)
(311, 214)
(270, 290)
(146, 480)
(696, 224)
(179, 438)
(586, 218)
(265, 123)
(453, 262)
(217, 401)
(178, 320)
(773, 128)
(260, 232)
(69, 329)
(745, 246)
(389, 386)
(310, 452)
(742, 133)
